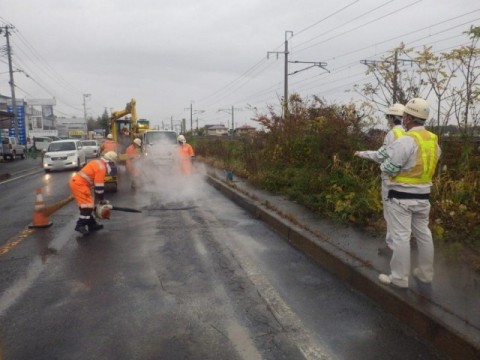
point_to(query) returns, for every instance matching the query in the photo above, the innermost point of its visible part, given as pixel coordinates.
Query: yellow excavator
(124, 130)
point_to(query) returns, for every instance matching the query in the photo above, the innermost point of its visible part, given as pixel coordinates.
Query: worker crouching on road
(410, 164)
(185, 155)
(394, 116)
(108, 145)
(133, 155)
(91, 175)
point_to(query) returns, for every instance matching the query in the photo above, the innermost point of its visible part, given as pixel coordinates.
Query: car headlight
(46, 156)
(70, 154)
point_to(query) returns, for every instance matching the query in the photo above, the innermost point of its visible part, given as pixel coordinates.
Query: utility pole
(191, 116)
(85, 111)
(6, 29)
(232, 112)
(286, 74)
(396, 72)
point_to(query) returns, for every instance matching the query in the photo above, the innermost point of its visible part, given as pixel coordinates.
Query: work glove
(104, 202)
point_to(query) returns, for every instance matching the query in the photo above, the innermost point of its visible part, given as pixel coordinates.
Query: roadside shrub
(308, 156)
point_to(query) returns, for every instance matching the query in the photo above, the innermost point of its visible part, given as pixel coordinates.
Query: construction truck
(124, 129)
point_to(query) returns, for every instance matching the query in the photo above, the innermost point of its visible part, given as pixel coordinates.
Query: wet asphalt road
(192, 277)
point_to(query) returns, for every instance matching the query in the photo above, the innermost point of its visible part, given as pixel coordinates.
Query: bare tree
(434, 68)
(396, 78)
(466, 94)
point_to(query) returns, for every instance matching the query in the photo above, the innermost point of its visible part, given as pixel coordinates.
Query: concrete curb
(430, 322)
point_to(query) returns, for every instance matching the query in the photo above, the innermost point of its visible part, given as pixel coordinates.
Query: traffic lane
(338, 320)
(149, 285)
(19, 195)
(21, 246)
(10, 169)
(198, 278)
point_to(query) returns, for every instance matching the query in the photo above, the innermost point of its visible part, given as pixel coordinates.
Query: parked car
(92, 148)
(64, 154)
(41, 142)
(11, 148)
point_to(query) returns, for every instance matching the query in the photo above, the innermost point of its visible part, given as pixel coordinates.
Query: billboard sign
(22, 135)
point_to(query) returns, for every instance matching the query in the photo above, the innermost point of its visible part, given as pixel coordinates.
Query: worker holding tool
(133, 155)
(108, 145)
(91, 176)
(394, 116)
(185, 155)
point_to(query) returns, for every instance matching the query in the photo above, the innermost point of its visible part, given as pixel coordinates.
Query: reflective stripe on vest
(427, 155)
(397, 132)
(85, 176)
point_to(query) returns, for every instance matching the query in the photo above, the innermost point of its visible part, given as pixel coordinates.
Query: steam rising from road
(163, 184)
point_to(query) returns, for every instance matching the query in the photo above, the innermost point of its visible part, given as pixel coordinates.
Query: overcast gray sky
(210, 53)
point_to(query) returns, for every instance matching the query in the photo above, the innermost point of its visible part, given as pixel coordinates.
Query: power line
(362, 25)
(368, 12)
(327, 17)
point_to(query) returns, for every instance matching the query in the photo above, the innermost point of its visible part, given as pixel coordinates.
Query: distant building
(71, 127)
(245, 130)
(35, 117)
(216, 130)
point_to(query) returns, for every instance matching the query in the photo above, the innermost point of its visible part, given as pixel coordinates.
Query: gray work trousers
(407, 217)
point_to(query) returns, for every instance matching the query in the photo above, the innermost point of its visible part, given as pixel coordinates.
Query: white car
(92, 148)
(11, 148)
(64, 154)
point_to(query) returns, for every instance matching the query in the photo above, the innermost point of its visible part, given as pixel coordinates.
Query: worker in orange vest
(91, 176)
(133, 155)
(108, 145)
(185, 155)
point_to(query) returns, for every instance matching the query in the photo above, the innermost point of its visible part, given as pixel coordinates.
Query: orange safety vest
(109, 145)
(186, 151)
(91, 175)
(133, 153)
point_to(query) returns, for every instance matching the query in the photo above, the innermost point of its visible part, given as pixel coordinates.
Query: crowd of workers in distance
(408, 159)
(92, 177)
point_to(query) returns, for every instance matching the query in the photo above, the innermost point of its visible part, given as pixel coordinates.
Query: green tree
(103, 121)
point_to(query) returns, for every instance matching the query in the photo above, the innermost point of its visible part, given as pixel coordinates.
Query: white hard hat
(396, 110)
(109, 136)
(181, 138)
(138, 142)
(418, 108)
(111, 156)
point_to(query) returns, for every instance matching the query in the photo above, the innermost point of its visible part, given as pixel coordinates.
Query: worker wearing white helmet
(394, 116)
(410, 166)
(133, 155)
(91, 176)
(185, 155)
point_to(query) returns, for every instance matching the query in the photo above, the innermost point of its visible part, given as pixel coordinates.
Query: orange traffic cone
(40, 216)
